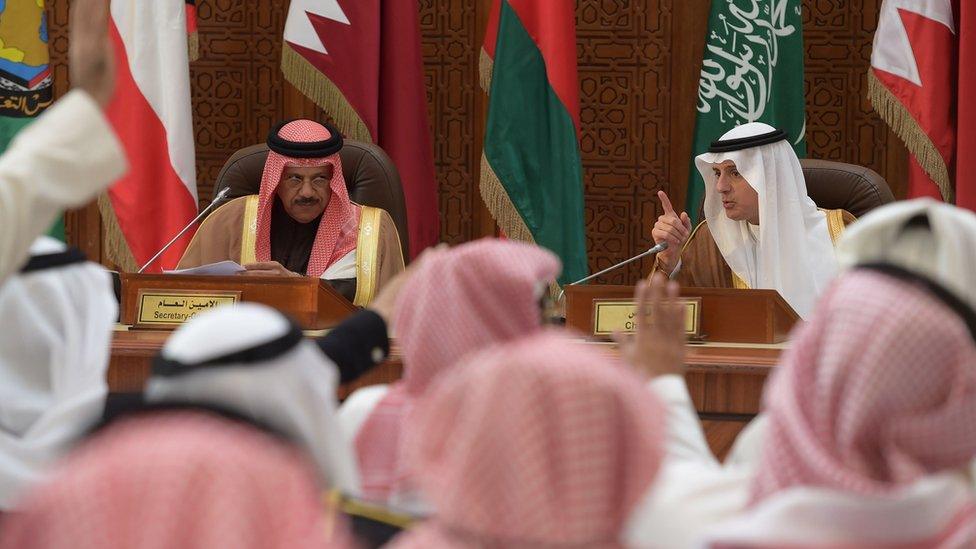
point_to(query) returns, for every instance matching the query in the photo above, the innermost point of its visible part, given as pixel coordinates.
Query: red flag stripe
(552, 26)
(151, 202)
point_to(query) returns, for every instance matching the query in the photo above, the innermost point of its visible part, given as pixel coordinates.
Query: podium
(311, 302)
(727, 315)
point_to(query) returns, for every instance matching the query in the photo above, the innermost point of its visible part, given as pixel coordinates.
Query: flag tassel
(894, 113)
(485, 66)
(316, 86)
(116, 248)
(500, 205)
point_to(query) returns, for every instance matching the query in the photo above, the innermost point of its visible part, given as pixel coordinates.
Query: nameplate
(170, 308)
(610, 316)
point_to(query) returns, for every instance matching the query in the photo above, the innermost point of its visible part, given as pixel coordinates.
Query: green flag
(25, 74)
(531, 175)
(752, 71)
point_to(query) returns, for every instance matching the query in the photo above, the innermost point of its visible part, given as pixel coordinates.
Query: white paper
(221, 268)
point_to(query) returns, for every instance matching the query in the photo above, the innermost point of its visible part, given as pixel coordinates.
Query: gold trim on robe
(836, 223)
(249, 234)
(230, 232)
(367, 255)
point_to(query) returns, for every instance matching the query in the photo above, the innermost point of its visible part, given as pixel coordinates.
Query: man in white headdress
(250, 360)
(761, 230)
(70, 153)
(54, 352)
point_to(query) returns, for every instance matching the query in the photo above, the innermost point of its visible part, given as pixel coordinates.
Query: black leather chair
(837, 185)
(371, 178)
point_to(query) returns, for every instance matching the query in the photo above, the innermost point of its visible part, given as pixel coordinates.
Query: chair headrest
(837, 185)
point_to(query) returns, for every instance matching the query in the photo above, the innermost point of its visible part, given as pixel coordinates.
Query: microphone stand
(659, 247)
(199, 216)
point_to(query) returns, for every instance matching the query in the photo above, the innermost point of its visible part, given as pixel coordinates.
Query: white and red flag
(922, 66)
(360, 61)
(151, 115)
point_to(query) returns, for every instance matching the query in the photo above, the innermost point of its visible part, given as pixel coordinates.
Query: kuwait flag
(360, 61)
(921, 67)
(151, 115)
(531, 176)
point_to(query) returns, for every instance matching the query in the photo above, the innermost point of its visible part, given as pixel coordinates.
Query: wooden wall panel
(236, 85)
(450, 45)
(625, 80)
(638, 68)
(841, 125)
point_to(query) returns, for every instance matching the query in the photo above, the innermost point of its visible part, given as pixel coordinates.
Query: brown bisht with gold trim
(356, 248)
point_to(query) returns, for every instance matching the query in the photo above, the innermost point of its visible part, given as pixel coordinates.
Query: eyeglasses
(295, 181)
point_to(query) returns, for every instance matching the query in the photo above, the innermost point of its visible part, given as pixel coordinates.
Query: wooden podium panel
(728, 315)
(313, 303)
(725, 382)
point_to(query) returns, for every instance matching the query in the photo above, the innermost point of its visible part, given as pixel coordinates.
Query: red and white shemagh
(877, 390)
(178, 479)
(338, 230)
(542, 442)
(458, 301)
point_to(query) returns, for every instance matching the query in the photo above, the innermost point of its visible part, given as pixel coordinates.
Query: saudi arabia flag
(752, 71)
(531, 176)
(25, 76)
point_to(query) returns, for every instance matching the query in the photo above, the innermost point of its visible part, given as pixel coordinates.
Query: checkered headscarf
(877, 390)
(543, 442)
(337, 232)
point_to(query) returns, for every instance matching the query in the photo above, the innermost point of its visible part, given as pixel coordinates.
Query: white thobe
(692, 491)
(62, 160)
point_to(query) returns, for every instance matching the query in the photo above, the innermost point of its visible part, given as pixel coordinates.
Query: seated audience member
(541, 442)
(70, 153)
(302, 222)
(186, 479)
(54, 350)
(926, 237)
(871, 426)
(251, 361)
(761, 230)
(458, 301)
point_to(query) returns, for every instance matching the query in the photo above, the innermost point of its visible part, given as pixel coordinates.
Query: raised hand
(671, 228)
(91, 59)
(658, 346)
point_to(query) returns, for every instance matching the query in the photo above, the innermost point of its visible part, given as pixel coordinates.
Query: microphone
(209, 207)
(659, 247)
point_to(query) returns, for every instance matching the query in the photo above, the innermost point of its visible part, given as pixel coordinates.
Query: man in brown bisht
(302, 222)
(761, 230)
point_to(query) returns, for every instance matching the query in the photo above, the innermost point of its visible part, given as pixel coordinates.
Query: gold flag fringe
(906, 127)
(193, 46)
(115, 246)
(317, 87)
(500, 207)
(485, 66)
